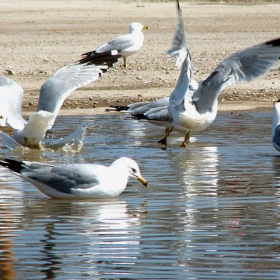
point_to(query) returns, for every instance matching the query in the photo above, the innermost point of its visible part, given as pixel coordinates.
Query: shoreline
(222, 107)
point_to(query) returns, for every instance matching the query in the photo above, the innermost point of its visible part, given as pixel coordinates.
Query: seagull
(78, 180)
(276, 126)
(127, 44)
(52, 95)
(193, 106)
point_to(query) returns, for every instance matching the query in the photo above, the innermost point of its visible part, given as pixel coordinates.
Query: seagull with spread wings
(193, 106)
(52, 95)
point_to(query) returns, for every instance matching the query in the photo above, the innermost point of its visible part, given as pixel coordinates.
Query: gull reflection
(94, 232)
(11, 202)
(198, 171)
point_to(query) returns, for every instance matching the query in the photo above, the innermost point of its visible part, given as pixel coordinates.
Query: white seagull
(52, 95)
(193, 107)
(127, 44)
(276, 126)
(79, 180)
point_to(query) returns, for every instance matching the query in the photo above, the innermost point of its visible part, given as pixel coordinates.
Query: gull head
(35, 129)
(132, 169)
(136, 27)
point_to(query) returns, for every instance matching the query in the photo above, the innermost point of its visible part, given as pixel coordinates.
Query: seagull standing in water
(78, 180)
(195, 109)
(127, 44)
(52, 95)
(192, 107)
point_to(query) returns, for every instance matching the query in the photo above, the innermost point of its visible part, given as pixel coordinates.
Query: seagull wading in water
(127, 44)
(78, 180)
(195, 109)
(192, 107)
(52, 95)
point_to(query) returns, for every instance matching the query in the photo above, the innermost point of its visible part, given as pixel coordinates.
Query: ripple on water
(211, 211)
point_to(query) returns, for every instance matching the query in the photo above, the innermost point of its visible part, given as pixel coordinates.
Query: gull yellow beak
(143, 181)
(145, 27)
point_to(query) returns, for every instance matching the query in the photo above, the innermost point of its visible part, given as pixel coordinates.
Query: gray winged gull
(127, 44)
(193, 106)
(78, 180)
(52, 95)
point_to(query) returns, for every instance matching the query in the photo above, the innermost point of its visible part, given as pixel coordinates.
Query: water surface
(211, 212)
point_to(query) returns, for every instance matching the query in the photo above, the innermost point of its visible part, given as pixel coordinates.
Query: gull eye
(134, 170)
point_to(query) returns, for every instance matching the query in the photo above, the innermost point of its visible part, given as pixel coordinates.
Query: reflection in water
(212, 211)
(8, 219)
(93, 233)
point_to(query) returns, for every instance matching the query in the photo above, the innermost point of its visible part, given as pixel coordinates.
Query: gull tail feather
(13, 165)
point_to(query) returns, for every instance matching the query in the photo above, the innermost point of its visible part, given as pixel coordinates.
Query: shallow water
(211, 212)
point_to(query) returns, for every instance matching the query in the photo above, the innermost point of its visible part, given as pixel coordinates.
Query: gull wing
(179, 48)
(58, 87)
(11, 101)
(119, 43)
(243, 66)
(145, 107)
(156, 115)
(63, 178)
(141, 107)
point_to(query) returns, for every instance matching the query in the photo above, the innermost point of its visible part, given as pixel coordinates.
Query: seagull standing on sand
(127, 44)
(80, 180)
(52, 95)
(193, 107)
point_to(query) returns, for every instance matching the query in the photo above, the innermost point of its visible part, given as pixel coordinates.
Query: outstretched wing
(180, 49)
(58, 87)
(10, 103)
(243, 66)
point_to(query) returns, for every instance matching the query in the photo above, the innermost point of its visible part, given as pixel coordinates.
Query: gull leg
(124, 61)
(163, 140)
(186, 140)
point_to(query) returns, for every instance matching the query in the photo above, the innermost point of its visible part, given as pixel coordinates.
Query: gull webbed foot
(186, 140)
(163, 140)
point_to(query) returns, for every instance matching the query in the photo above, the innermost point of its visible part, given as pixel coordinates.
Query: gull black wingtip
(274, 43)
(105, 58)
(14, 165)
(118, 108)
(178, 6)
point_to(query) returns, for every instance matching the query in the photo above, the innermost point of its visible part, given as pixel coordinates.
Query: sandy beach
(40, 37)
